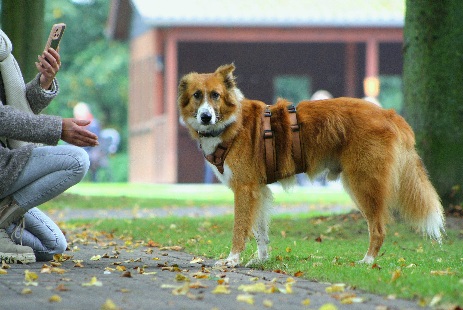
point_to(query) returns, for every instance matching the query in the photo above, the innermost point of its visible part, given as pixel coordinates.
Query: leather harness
(218, 157)
(269, 144)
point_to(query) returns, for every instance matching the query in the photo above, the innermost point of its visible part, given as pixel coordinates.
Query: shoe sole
(9, 217)
(17, 258)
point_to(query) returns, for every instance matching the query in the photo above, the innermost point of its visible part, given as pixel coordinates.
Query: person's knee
(82, 162)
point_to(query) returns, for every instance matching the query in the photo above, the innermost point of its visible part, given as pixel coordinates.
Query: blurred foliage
(94, 69)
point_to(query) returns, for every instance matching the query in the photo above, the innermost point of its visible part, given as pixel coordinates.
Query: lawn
(320, 247)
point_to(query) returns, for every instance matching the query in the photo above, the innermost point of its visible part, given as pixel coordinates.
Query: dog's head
(209, 102)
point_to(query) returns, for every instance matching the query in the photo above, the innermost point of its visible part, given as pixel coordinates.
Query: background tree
(23, 22)
(433, 90)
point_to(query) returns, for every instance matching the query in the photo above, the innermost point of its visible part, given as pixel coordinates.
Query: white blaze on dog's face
(208, 102)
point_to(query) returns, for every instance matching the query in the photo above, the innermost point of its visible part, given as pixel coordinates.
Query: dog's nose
(206, 117)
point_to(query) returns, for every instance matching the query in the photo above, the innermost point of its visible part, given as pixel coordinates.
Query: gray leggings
(50, 171)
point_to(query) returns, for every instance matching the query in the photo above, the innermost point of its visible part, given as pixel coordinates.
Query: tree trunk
(23, 22)
(433, 90)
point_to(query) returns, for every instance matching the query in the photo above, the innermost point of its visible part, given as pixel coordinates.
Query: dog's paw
(367, 260)
(231, 261)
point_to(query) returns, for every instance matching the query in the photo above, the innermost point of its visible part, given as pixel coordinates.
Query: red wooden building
(280, 48)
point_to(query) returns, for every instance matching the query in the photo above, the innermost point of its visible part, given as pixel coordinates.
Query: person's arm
(44, 87)
(45, 129)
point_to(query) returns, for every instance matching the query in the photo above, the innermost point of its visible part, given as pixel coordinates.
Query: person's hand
(74, 132)
(48, 69)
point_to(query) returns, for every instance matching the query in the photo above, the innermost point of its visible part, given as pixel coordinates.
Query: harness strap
(218, 157)
(298, 157)
(269, 145)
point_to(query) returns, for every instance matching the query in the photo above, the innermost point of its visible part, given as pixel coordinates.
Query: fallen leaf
(5, 265)
(26, 291)
(221, 289)
(3, 271)
(109, 305)
(30, 278)
(181, 278)
(298, 274)
(396, 274)
(197, 260)
(126, 274)
(54, 298)
(435, 300)
(95, 257)
(267, 303)
(61, 288)
(259, 287)
(335, 288)
(442, 272)
(121, 268)
(200, 275)
(306, 302)
(171, 248)
(181, 290)
(328, 306)
(93, 282)
(197, 285)
(249, 299)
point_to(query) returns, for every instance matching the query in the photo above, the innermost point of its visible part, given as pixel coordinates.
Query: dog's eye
(197, 95)
(215, 95)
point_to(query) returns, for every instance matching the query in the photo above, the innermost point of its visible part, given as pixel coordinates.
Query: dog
(370, 148)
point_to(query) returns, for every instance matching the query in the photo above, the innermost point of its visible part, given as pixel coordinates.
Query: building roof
(271, 13)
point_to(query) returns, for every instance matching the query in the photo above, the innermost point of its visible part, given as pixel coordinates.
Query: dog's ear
(226, 71)
(182, 88)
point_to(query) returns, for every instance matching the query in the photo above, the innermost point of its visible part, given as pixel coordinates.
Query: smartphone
(55, 36)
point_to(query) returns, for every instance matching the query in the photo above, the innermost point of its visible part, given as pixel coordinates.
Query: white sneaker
(12, 253)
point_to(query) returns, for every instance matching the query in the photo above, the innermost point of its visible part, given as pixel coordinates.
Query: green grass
(295, 239)
(344, 240)
(129, 195)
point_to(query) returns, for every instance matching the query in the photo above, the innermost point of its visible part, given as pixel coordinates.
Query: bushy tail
(419, 202)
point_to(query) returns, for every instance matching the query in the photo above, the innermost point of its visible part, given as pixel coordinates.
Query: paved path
(162, 284)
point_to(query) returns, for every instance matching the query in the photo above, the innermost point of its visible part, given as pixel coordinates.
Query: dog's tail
(418, 202)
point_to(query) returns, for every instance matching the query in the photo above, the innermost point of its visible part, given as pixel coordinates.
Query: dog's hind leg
(247, 202)
(369, 196)
(261, 226)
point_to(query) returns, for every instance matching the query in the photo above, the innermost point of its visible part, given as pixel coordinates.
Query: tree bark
(433, 90)
(23, 22)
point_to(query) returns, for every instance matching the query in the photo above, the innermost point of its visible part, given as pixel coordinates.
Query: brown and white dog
(372, 149)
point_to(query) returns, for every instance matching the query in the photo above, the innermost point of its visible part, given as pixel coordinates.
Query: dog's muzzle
(206, 118)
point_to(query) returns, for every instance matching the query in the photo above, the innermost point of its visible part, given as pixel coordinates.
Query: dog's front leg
(247, 200)
(261, 226)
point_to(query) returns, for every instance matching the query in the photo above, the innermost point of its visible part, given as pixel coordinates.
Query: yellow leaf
(335, 288)
(181, 278)
(5, 265)
(54, 298)
(249, 299)
(305, 302)
(30, 276)
(268, 303)
(259, 287)
(288, 250)
(289, 288)
(109, 305)
(197, 260)
(121, 268)
(181, 290)
(95, 257)
(26, 290)
(221, 289)
(93, 282)
(435, 300)
(3, 271)
(328, 306)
